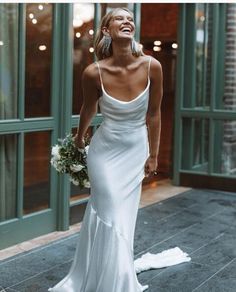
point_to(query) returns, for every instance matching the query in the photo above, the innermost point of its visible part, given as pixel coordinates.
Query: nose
(126, 20)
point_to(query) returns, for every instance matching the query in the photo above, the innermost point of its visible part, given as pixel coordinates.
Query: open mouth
(126, 29)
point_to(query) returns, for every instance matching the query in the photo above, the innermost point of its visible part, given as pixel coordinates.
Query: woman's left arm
(153, 118)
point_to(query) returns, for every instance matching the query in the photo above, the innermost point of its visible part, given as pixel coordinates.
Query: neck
(122, 54)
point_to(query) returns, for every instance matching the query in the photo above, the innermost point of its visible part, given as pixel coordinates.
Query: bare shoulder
(155, 70)
(155, 65)
(90, 73)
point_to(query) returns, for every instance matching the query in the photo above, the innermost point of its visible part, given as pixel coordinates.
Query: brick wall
(159, 21)
(229, 99)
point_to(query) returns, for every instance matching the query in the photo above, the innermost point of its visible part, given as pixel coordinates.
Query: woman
(128, 87)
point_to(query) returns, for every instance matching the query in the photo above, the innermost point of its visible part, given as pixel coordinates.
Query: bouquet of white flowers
(68, 158)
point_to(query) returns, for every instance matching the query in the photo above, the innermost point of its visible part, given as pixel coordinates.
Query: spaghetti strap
(149, 65)
(100, 75)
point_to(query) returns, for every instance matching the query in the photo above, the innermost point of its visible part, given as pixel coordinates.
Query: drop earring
(133, 46)
(106, 45)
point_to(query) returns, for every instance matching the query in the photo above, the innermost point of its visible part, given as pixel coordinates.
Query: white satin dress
(118, 151)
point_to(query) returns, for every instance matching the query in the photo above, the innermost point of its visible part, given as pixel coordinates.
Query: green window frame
(185, 87)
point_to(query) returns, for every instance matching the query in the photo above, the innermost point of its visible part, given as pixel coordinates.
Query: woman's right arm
(90, 101)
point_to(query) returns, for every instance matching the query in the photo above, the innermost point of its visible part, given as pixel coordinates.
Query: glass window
(225, 147)
(83, 23)
(36, 171)
(8, 60)
(8, 176)
(38, 60)
(227, 100)
(195, 144)
(203, 52)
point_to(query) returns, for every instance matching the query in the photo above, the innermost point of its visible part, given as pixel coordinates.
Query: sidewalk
(200, 222)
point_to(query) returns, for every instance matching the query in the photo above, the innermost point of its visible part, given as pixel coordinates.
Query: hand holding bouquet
(68, 158)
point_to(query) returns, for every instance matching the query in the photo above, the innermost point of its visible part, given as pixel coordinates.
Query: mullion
(21, 60)
(215, 52)
(205, 57)
(191, 144)
(20, 175)
(178, 125)
(203, 137)
(137, 19)
(97, 17)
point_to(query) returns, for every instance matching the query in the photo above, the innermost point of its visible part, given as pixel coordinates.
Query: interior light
(34, 21)
(40, 7)
(31, 15)
(157, 43)
(83, 11)
(174, 46)
(156, 48)
(1, 43)
(91, 32)
(42, 48)
(78, 34)
(91, 49)
(77, 22)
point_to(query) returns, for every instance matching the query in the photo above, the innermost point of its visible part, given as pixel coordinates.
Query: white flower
(86, 149)
(81, 150)
(53, 162)
(76, 167)
(86, 183)
(75, 182)
(55, 152)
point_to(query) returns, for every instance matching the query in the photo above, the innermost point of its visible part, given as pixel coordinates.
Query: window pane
(195, 144)
(203, 54)
(8, 176)
(38, 60)
(200, 145)
(225, 147)
(36, 171)
(8, 60)
(228, 99)
(83, 23)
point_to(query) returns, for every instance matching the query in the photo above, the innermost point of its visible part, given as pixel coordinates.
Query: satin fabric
(118, 151)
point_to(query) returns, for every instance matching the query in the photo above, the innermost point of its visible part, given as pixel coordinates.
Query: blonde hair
(99, 39)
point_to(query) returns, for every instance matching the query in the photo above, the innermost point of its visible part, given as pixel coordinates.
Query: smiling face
(121, 26)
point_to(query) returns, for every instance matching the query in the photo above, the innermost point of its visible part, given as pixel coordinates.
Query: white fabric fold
(166, 258)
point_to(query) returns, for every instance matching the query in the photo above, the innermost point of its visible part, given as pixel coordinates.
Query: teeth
(126, 29)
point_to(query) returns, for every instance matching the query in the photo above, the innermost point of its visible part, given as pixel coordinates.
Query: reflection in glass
(225, 147)
(38, 60)
(8, 60)
(8, 176)
(203, 54)
(201, 140)
(83, 23)
(228, 100)
(36, 171)
(195, 144)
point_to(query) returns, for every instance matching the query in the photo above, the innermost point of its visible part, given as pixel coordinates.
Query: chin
(125, 37)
